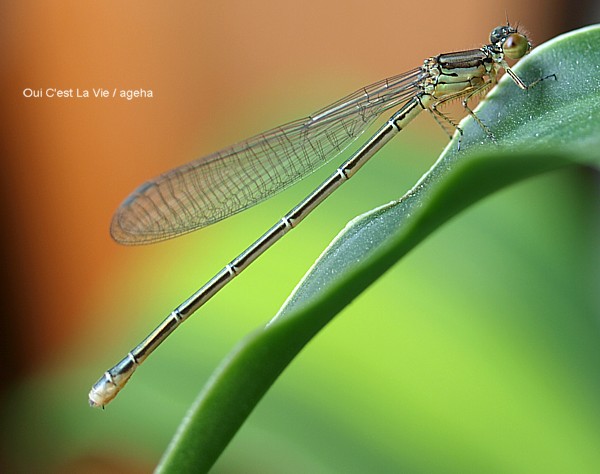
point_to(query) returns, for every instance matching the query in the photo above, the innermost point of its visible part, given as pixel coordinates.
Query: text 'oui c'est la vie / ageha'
(94, 93)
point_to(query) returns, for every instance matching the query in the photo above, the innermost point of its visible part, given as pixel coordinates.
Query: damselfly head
(508, 40)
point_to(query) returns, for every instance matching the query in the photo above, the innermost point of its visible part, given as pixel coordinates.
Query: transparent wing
(230, 180)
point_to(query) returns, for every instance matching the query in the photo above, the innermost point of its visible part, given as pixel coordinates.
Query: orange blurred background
(214, 68)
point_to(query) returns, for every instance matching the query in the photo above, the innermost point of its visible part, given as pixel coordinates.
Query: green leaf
(555, 124)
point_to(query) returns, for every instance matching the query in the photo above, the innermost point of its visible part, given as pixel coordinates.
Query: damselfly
(228, 181)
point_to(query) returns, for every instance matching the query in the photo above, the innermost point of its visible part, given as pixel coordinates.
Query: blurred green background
(484, 351)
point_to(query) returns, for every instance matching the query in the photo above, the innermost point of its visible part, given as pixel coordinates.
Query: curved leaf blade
(553, 125)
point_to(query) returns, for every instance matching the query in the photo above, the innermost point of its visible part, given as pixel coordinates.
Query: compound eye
(516, 46)
(497, 34)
